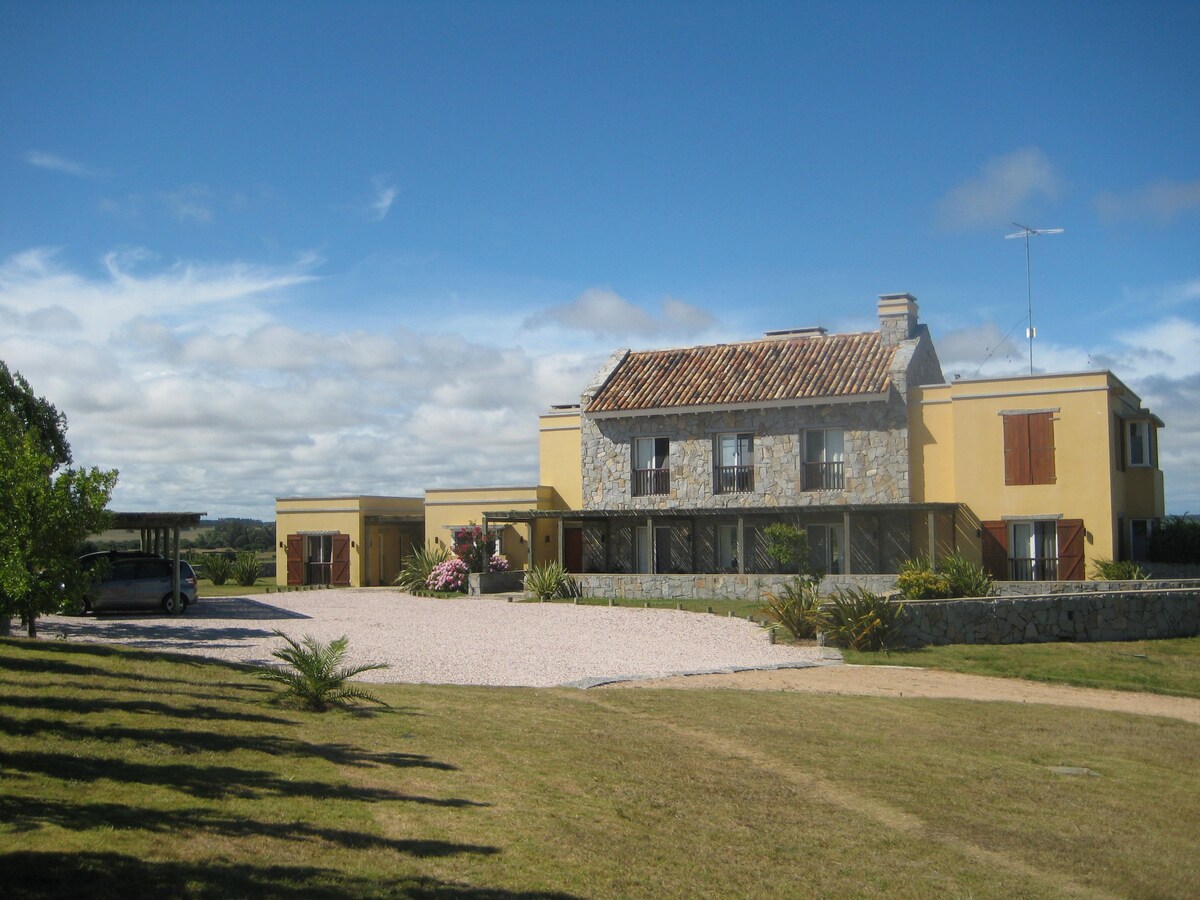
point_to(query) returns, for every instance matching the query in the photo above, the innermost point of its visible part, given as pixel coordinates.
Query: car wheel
(171, 606)
(87, 604)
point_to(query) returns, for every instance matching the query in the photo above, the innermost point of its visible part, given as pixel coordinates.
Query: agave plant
(245, 568)
(316, 677)
(217, 567)
(861, 620)
(1117, 570)
(549, 582)
(416, 569)
(796, 606)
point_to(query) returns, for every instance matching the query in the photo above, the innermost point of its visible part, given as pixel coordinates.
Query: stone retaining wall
(1098, 615)
(707, 587)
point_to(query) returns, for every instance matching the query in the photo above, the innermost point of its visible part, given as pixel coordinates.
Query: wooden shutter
(295, 559)
(1070, 550)
(1016, 449)
(995, 549)
(339, 572)
(1041, 448)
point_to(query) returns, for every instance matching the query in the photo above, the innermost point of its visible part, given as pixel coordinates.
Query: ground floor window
(1033, 551)
(318, 558)
(1139, 538)
(653, 556)
(826, 553)
(728, 547)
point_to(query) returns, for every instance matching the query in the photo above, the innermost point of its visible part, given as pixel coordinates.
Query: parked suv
(132, 580)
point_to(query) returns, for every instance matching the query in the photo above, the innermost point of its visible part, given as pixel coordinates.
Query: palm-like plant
(414, 571)
(317, 678)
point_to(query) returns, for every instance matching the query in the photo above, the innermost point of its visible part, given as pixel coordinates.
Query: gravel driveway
(478, 640)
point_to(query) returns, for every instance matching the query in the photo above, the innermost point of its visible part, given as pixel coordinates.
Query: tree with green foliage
(46, 511)
(787, 544)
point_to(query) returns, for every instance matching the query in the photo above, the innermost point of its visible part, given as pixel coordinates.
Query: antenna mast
(1026, 232)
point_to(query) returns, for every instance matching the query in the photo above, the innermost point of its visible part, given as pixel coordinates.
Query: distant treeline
(236, 534)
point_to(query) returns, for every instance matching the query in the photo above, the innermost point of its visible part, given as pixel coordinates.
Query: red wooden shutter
(1016, 449)
(295, 559)
(1041, 448)
(995, 549)
(1070, 550)
(339, 572)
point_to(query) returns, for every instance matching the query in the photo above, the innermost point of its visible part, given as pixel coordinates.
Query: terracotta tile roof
(768, 371)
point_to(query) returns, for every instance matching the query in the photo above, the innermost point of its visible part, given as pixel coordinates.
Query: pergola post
(741, 534)
(931, 520)
(846, 537)
(175, 564)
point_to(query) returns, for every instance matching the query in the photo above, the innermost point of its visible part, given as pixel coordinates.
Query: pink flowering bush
(498, 563)
(450, 575)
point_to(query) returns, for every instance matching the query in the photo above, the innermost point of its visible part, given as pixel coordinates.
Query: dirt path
(906, 681)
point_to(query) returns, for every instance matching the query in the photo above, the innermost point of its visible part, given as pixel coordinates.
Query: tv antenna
(1026, 232)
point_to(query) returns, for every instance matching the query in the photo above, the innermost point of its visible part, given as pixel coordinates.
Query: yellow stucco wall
(375, 549)
(560, 455)
(956, 435)
(446, 509)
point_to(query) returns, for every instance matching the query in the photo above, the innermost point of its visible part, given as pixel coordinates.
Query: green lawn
(129, 774)
(1160, 666)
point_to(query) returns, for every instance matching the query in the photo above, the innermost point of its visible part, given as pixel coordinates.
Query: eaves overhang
(840, 400)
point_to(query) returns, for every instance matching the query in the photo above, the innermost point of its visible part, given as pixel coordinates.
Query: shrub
(964, 577)
(245, 568)
(416, 569)
(787, 545)
(450, 575)
(918, 581)
(217, 568)
(1176, 539)
(498, 563)
(317, 678)
(472, 546)
(549, 582)
(1117, 570)
(861, 620)
(796, 606)
(954, 576)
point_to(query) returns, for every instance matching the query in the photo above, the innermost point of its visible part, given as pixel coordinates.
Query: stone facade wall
(1084, 616)
(709, 587)
(875, 468)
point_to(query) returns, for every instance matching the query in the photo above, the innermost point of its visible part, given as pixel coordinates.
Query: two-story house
(686, 455)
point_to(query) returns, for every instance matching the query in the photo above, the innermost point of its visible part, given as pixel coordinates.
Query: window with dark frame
(735, 463)
(651, 472)
(1029, 448)
(824, 452)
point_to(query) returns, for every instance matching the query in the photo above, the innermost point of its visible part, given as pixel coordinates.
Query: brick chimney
(897, 318)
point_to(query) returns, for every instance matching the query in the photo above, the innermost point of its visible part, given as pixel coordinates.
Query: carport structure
(160, 534)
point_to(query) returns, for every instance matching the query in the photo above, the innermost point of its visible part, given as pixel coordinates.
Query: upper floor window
(1029, 448)
(735, 463)
(1140, 443)
(651, 474)
(824, 450)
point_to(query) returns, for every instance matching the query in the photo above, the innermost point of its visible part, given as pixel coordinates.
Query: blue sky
(267, 249)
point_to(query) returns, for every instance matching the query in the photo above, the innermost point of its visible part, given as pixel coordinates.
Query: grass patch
(1166, 666)
(131, 774)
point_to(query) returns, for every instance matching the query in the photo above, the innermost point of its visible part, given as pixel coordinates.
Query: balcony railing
(1041, 568)
(822, 476)
(647, 482)
(735, 479)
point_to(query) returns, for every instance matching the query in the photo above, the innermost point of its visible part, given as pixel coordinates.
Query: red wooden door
(573, 549)
(995, 549)
(339, 571)
(295, 559)
(1070, 550)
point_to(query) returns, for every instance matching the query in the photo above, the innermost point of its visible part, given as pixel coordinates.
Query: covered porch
(843, 540)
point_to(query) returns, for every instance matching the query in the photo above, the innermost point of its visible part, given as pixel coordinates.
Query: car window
(122, 571)
(153, 568)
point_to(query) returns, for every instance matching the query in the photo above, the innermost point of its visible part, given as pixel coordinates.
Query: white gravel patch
(477, 640)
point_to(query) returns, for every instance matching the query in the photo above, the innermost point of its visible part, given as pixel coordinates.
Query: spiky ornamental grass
(317, 678)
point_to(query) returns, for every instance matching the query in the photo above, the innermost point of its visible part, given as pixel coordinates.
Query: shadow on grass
(111, 875)
(85, 705)
(210, 782)
(45, 656)
(29, 814)
(186, 741)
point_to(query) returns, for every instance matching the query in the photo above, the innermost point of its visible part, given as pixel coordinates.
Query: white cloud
(190, 203)
(385, 194)
(1001, 191)
(56, 163)
(1160, 202)
(601, 312)
(195, 381)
